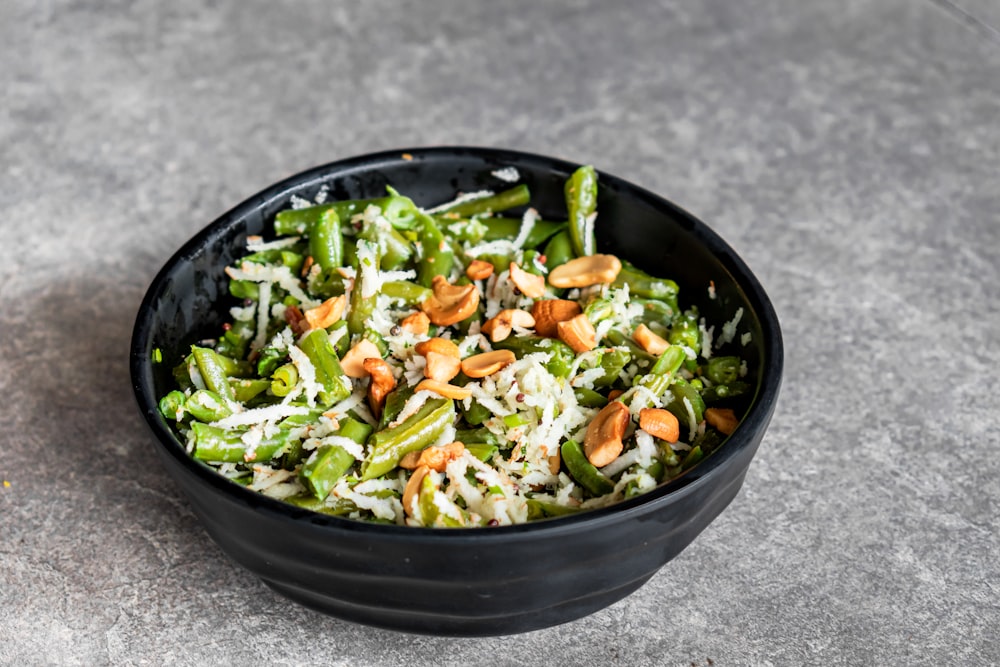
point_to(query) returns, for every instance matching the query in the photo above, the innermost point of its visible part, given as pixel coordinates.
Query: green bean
(538, 509)
(210, 366)
(482, 450)
(583, 471)
(516, 196)
(679, 391)
(326, 243)
(643, 285)
(224, 446)
(558, 250)
(562, 355)
(234, 341)
(508, 228)
(589, 398)
(475, 414)
(693, 456)
(284, 379)
(472, 230)
(172, 405)
(316, 346)
(246, 389)
(655, 312)
(437, 256)
(581, 202)
(394, 403)
(655, 470)
(718, 392)
(477, 435)
(684, 331)
(617, 338)
(362, 306)
(394, 249)
(659, 377)
(723, 370)
(324, 468)
(612, 361)
(500, 262)
(414, 433)
(343, 343)
(399, 211)
(410, 293)
(342, 506)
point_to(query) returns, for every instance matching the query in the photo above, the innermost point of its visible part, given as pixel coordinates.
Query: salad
(452, 366)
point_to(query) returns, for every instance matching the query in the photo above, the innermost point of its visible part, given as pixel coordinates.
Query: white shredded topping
(260, 415)
(507, 174)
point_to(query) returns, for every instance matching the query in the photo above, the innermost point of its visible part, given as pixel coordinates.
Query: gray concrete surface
(848, 150)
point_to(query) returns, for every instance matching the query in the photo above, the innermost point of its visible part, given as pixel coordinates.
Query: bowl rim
(756, 418)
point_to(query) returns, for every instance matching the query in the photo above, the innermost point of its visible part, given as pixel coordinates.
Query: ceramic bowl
(476, 581)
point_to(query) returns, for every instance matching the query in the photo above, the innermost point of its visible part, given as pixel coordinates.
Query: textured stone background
(849, 151)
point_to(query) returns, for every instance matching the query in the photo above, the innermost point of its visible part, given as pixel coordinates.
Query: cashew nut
(585, 271)
(550, 312)
(501, 326)
(439, 345)
(353, 363)
(441, 367)
(326, 313)
(603, 442)
(382, 382)
(449, 304)
(412, 490)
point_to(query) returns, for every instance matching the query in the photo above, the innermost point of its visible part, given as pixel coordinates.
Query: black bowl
(476, 581)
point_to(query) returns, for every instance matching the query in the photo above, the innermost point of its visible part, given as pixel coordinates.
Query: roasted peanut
(586, 271)
(439, 345)
(528, 283)
(723, 419)
(500, 327)
(487, 363)
(603, 441)
(649, 341)
(444, 389)
(417, 323)
(660, 423)
(578, 333)
(441, 367)
(412, 490)
(479, 270)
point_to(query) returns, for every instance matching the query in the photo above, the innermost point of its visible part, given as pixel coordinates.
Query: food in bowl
(453, 366)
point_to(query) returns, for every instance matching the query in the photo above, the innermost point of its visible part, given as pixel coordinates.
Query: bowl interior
(189, 298)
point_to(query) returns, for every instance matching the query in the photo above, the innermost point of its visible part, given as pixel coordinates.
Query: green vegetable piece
(693, 456)
(222, 446)
(723, 370)
(583, 471)
(589, 398)
(362, 306)
(482, 451)
(437, 255)
(212, 371)
(172, 405)
(475, 414)
(324, 468)
(720, 392)
(246, 389)
(284, 379)
(581, 202)
(411, 293)
(684, 331)
(417, 431)
(643, 285)
(498, 229)
(516, 196)
(558, 250)
(207, 406)
(679, 391)
(562, 355)
(316, 346)
(538, 509)
(326, 244)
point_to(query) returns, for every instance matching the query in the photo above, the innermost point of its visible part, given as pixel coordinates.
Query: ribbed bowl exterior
(486, 581)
